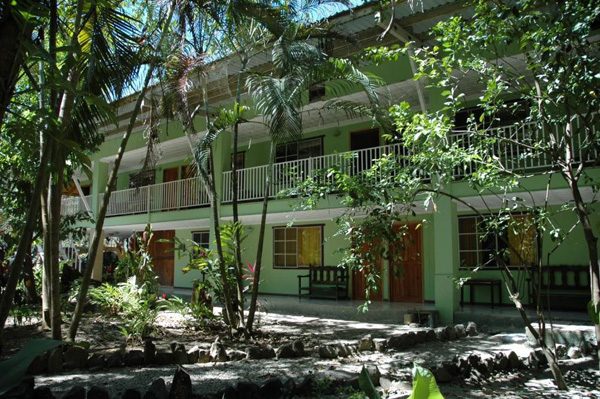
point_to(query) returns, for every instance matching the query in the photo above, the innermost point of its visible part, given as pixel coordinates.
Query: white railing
(174, 195)
(287, 175)
(510, 151)
(73, 205)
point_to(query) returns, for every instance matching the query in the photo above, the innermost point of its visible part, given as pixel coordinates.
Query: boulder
(38, 365)
(132, 394)
(203, 356)
(285, 351)
(181, 387)
(96, 392)
(157, 390)
(260, 352)
(574, 353)
(164, 357)
(55, 361)
(114, 359)
(75, 357)
(461, 332)
(218, 352)
(513, 360)
(345, 350)
(471, 329)
(431, 335)
(179, 353)
(380, 344)
(366, 343)
(328, 351)
(134, 358)
(271, 389)
(77, 392)
(442, 374)
(237, 355)
(398, 341)
(43, 393)
(306, 387)
(248, 389)
(193, 354)
(298, 347)
(500, 362)
(149, 351)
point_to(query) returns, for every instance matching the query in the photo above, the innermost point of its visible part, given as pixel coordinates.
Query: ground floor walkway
(504, 317)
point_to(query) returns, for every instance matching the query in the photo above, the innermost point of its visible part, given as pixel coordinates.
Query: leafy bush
(194, 314)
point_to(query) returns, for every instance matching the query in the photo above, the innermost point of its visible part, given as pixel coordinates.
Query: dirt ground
(582, 375)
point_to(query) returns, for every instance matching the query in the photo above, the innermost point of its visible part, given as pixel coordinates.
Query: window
(478, 249)
(297, 246)
(202, 238)
(301, 149)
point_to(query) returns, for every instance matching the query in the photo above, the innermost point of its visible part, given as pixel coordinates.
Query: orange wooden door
(170, 176)
(359, 283)
(163, 260)
(406, 285)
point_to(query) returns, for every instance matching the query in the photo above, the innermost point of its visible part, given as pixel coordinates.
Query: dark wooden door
(163, 260)
(170, 176)
(359, 283)
(364, 140)
(406, 285)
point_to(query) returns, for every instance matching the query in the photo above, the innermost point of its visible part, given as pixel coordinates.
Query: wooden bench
(494, 284)
(326, 282)
(563, 287)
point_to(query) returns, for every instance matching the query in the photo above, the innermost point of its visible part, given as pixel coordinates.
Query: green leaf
(594, 312)
(14, 369)
(424, 385)
(366, 385)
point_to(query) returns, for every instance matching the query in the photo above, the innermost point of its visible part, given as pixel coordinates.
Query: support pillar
(445, 226)
(99, 180)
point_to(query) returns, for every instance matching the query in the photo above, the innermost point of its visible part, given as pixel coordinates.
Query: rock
(471, 329)
(75, 357)
(306, 387)
(474, 360)
(55, 361)
(345, 350)
(248, 389)
(328, 352)
(204, 356)
(442, 375)
(411, 338)
(236, 355)
(132, 394)
(43, 393)
(134, 358)
(25, 390)
(366, 343)
(574, 353)
(420, 336)
(298, 347)
(96, 361)
(398, 341)
(380, 344)
(96, 392)
(218, 352)
(451, 333)
(164, 357)
(38, 365)
(157, 390)
(285, 351)
(271, 389)
(442, 333)
(181, 387)
(260, 352)
(500, 362)
(114, 359)
(289, 387)
(149, 351)
(488, 363)
(179, 353)
(193, 354)
(513, 360)
(76, 392)
(451, 368)
(461, 332)
(228, 393)
(431, 335)
(561, 351)
(374, 373)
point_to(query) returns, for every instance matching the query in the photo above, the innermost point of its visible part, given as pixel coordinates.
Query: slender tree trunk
(25, 240)
(32, 294)
(95, 244)
(261, 241)
(235, 194)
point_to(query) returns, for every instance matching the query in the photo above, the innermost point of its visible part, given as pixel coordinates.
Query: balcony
(175, 195)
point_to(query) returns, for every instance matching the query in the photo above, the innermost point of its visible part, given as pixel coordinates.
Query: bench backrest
(565, 277)
(328, 275)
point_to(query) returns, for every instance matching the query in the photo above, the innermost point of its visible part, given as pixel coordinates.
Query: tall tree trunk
(95, 244)
(25, 240)
(32, 294)
(261, 241)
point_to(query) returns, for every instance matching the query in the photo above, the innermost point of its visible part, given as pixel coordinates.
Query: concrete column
(97, 272)
(445, 225)
(99, 179)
